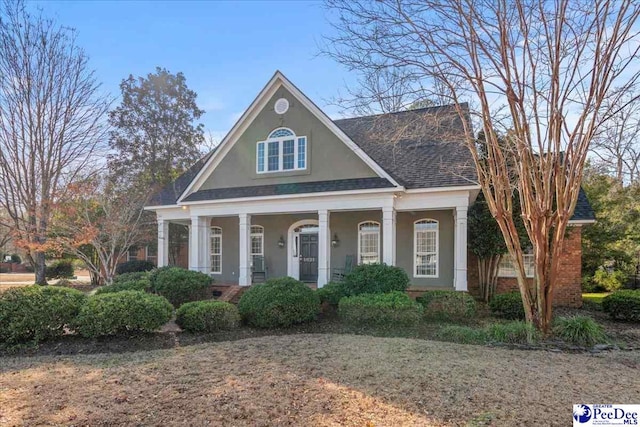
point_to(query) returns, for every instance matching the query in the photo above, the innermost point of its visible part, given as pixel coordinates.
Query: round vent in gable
(281, 106)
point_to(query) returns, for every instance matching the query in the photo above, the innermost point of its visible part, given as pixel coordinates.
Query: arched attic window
(282, 151)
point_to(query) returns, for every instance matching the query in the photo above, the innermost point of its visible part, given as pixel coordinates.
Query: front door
(308, 257)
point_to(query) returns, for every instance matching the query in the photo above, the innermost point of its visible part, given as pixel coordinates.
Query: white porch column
(245, 263)
(196, 244)
(389, 235)
(460, 253)
(324, 247)
(163, 242)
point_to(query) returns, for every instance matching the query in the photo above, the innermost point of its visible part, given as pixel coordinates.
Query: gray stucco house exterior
(304, 193)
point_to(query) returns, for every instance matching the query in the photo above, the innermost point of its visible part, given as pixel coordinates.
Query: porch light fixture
(281, 242)
(335, 241)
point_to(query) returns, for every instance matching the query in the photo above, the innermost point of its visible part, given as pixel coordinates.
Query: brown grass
(313, 380)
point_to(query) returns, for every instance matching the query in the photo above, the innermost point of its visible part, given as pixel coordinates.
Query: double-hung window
(368, 242)
(282, 151)
(507, 267)
(216, 250)
(425, 248)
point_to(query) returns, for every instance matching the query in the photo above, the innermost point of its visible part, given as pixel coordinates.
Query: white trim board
(278, 80)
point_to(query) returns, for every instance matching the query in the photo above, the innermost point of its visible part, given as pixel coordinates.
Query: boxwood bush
(129, 277)
(375, 279)
(331, 293)
(580, 330)
(623, 305)
(507, 306)
(62, 269)
(35, 313)
(278, 302)
(122, 313)
(179, 285)
(392, 308)
(444, 304)
(141, 284)
(207, 316)
(134, 266)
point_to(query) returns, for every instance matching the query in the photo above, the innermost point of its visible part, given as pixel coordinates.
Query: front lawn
(319, 379)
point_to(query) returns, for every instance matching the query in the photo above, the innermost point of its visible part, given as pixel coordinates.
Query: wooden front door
(308, 257)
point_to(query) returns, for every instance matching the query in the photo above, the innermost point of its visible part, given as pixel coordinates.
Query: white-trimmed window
(425, 248)
(507, 267)
(282, 151)
(368, 242)
(257, 240)
(151, 253)
(216, 250)
(132, 253)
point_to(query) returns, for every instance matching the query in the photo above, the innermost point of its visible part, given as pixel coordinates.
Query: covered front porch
(309, 237)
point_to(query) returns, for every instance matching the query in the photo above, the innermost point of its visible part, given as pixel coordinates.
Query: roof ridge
(415, 110)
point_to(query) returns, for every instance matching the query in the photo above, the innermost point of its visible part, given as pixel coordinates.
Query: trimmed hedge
(507, 306)
(447, 304)
(623, 305)
(142, 284)
(122, 313)
(392, 308)
(134, 266)
(331, 293)
(580, 330)
(35, 313)
(179, 285)
(375, 279)
(278, 302)
(130, 277)
(207, 316)
(62, 269)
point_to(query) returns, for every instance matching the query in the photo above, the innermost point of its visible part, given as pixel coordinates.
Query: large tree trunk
(488, 276)
(40, 268)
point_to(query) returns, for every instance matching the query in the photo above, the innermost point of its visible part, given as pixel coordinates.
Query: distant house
(302, 195)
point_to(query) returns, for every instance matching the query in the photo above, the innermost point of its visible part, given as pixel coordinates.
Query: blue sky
(227, 50)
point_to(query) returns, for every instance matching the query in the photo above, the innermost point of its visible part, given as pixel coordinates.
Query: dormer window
(282, 151)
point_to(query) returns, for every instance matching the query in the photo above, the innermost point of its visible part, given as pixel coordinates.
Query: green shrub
(129, 277)
(462, 334)
(392, 308)
(35, 313)
(331, 293)
(278, 303)
(134, 266)
(207, 316)
(512, 332)
(609, 281)
(142, 284)
(580, 330)
(445, 304)
(152, 275)
(375, 279)
(179, 285)
(589, 286)
(62, 269)
(507, 306)
(15, 258)
(623, 305)
(122, 313)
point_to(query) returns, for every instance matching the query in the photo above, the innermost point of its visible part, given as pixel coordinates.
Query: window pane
(216, 249)
(369, 239)
(288, 154)
(273, 156)
(280, 133)
(256, 245)
(302, 150)
(261, 157)
(426, 265)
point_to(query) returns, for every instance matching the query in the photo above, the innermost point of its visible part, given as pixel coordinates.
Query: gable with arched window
(282, 151)
(425, 248)
(368, 242)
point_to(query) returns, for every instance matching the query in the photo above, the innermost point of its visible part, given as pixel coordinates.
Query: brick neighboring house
(299, 194)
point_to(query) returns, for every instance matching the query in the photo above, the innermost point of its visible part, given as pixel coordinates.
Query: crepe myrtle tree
(548, 75)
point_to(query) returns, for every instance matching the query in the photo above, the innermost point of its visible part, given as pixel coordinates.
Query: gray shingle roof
(420, 148)
(294, 188)
(583, 211)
